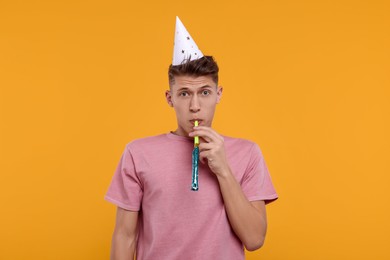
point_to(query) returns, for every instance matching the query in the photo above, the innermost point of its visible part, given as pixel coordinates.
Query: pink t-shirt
(154, 177)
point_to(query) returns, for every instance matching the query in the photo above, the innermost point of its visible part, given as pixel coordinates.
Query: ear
(168, 97)
(219, 94)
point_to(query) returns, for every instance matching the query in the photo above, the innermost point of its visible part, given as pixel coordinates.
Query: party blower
(195, 161)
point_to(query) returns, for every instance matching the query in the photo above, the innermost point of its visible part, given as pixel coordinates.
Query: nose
(194, 105)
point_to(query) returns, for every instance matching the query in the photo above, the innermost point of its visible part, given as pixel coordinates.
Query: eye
(205, 92)
(183, 94)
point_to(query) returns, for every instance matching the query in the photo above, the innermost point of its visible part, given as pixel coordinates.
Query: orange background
(307, 80)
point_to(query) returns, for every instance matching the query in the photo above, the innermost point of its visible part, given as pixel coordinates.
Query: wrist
(224, 174)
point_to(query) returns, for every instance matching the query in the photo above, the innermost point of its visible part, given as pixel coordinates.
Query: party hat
(185, 48)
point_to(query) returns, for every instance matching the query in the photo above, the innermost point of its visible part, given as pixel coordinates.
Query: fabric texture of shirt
(154, 177)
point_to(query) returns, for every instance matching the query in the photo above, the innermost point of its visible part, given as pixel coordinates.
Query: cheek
(210, 105)
(180, 110)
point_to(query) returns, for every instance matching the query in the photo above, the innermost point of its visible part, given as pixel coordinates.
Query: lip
(199, 121)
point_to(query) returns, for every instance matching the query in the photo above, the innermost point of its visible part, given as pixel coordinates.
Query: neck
(180, 132)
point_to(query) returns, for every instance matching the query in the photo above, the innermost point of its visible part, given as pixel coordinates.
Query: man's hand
(211, 149)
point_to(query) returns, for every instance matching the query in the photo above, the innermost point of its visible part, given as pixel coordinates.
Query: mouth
(200, 121)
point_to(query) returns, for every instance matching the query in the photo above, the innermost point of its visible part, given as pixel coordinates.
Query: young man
(158, 215)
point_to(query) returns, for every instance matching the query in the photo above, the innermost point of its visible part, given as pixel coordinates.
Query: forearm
(123, 246)
(248, 222)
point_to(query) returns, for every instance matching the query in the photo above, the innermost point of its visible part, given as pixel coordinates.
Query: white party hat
(185, 47)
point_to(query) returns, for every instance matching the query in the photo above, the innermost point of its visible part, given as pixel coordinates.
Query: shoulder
(244, 147)
(146, 142)
(240, 142)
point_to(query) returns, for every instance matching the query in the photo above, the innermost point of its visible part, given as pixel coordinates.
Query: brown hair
(205, 66)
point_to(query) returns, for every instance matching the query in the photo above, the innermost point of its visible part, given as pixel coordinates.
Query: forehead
(193, 82)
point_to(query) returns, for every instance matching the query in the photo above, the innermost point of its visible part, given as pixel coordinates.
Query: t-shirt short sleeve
(256, 183)
(125, 189)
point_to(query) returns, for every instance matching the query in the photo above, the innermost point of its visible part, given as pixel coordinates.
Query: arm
(247, 219)
(124, 239)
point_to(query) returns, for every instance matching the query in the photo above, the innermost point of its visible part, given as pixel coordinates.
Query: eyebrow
(203, 87)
